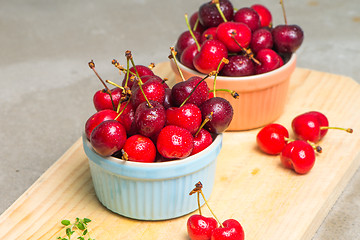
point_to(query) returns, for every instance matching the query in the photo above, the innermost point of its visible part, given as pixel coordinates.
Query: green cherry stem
(129, 56)
(349, 130)
(173, 56)
(248, 52)
(217, 4)
(283, 10)
(317, 148)
(191, 32)
(223, 60)
(122, 110)
(232, 92)
(207, 119)
(209, 75)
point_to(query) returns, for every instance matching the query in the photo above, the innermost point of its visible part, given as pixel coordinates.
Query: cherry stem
(217, 4)
(206, 120)
(349, 130)
(151, 66)
(223, 60)
(129, 56)
(107, 90)
(173, 56)
(191, 32)
(248, 52)
(125, 156)
(283, 9)
(196, 24)
(198, 201)
(209, 75)
(317, 148)
(198, 189)
(121, 68)
(122, 110)
(232, 92)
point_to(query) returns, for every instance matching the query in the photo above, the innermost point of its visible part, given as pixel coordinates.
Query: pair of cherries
(200, 227)
(309, 128)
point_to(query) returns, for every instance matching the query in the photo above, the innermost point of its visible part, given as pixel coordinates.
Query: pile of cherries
(144, 120)
(245, 37)
(200, 227)
(299, 154)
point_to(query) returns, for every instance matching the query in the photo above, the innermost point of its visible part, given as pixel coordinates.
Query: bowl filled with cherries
(147, 143)
(260, 58)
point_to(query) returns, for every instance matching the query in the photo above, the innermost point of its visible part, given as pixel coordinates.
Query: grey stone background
(46, 86)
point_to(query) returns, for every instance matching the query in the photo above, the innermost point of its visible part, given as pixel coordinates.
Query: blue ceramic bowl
(152, 191)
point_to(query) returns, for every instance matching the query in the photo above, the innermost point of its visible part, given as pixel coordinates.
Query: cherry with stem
(248, 52)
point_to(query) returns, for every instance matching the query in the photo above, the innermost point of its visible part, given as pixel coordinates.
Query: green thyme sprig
(80, 225)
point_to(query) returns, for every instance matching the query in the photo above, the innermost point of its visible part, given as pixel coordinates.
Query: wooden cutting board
(271, 202)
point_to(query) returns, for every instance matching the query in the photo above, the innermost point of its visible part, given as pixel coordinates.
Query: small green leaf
(87, 220)
(80, 226)
(85, 232)
(69, 232)
(81, 238)
(65, 222)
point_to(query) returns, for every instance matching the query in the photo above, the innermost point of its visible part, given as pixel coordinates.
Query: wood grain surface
(271, 202)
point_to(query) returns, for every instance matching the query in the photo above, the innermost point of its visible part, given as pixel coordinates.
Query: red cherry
(238, 66)
(174, 142)
(287, 38)
(269, 60)
(209, 15)
(323, 122)
(200, 227)
(108, 137)
(181, 90)
(102, 99)
(248, 16)
(242, 33)
(201, 141)
(153, 89)
(195, 17)
(184, 40)
(232, 230)
(306, 127)
(298, 155)
(98, 118)
(208, 34)
(127, 117)
(187, 116)
(271, 139)
(264, 14)
(211, 54)
(187, 57)
(142, 71)
(261, 38)
(139, 148)
(150, 120)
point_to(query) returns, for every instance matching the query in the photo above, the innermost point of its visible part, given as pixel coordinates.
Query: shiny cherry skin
(194, 17)
(287, 38)
(232, 230)
(261, 39)
(181, 90)
(187, 116)
(298, 155)
(248, 16)
(184, 40)
(201, 141)
(150, 120)
(187, 57)
(208, 34)
(97, 118)
(210, 55)
(209, 15)
(200, 227)
(153, 90)
(323, 122)
(271, 139)
(241, 32)
(140, 149)
(222, 114)
(238, 66)
(168, 102)
(108, 138)
(306, 127)
(142, 71)
(174, 142)
(127, 117)
(264, 15)
(269, 60)
(102, 100)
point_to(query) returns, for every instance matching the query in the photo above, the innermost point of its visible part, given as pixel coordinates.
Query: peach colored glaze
(262, 97)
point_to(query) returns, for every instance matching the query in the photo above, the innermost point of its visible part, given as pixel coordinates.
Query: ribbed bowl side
(150, 199)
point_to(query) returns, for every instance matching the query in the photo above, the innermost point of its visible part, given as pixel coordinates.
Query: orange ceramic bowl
(262, 97)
